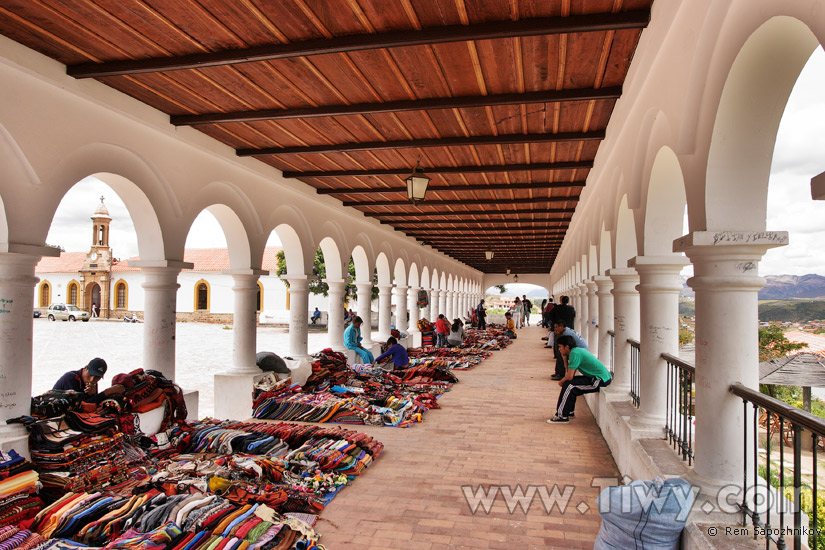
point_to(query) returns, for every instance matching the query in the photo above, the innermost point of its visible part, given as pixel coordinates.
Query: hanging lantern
(489, 254)
(417, 183)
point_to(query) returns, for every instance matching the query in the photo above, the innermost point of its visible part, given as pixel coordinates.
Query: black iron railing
(681, 378)
(635, 361)
(612, 357)
(789, 423)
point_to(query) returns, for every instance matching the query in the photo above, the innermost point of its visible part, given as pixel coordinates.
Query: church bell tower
(95, 274)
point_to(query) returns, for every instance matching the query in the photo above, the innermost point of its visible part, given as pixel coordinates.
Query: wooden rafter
(467, 169)
(433, 35)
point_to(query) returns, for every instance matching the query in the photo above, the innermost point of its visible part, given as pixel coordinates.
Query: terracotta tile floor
(491, 431)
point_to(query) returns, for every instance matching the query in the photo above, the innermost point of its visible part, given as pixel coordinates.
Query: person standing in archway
(94, 310)
(481, 313)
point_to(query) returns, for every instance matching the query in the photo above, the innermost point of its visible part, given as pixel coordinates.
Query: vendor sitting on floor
(352, 340)
(594, 376)
(85, 381)
(400, 360)
(510, 326)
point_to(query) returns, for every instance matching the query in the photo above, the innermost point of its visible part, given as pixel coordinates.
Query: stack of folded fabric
(96, 462)
(18, 490)
(158, 521)
(13, 537)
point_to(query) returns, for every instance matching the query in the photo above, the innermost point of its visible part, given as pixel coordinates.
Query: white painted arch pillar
(424, 313)
(160, 286)
(659, 287)
(727, 287)
(605, 320)
(245, 321)
(17, 283)
(625, 325)
(435, 304)
(442, 302)
(298, 315)
(400, 295)
(384, 312)
(412, 304)
(335, 314)
(592, 331)
(364, 298)
(583, 316)
(450, 311)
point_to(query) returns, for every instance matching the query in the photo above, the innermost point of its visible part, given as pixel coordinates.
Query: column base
(415, 339)
(644, 426)
(615, 392)
(192, 400)
(341, 349)
(15, 436)
(233, 395)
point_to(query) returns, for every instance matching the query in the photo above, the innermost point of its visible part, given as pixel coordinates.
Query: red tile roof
(67, 262)
(205, 259)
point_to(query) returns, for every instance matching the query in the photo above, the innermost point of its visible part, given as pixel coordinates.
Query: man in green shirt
(593, 377)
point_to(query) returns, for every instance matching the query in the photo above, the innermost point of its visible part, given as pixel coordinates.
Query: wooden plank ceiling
(503, 102)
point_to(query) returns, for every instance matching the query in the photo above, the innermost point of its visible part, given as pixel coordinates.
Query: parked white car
(66, 312)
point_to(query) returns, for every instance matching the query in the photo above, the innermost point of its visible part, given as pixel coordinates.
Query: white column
(160, 289)
(456, 308)
(626, 325)
(412, 303)
(659, 287)
(605, 319)
(335, 314)
(384, 312)
(364, 295)
(442, 303)
(727, 285)
(298, 315)
(233, 388)
(573, 294)
(245, 324)
(425, 312)
(592, 318)
(584, 314)
(449, 311)
(400, 293)
(435, 304)
(17, 283)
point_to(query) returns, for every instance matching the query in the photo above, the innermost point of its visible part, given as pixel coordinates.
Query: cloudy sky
(799, 155)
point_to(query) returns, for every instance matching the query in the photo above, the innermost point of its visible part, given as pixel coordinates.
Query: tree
(501, 288)
(317, 285)
(773, 344)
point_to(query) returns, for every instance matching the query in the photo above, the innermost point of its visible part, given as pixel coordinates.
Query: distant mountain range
(783, 287)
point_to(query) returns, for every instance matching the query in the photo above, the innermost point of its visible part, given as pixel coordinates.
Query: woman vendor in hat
(85, 381)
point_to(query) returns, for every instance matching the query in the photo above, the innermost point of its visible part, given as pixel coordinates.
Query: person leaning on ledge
(85, 381)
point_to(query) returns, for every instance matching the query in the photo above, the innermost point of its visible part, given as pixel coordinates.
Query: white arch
(625, 234)
(665, 208)
(400, 272)
(382, 266)
(414, 279)
(744, 133)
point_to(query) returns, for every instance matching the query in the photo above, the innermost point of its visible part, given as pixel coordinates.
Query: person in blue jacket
(400, 359)
(352, 340)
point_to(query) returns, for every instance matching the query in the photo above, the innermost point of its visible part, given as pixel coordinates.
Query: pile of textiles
(15, 537)
(447, 359)
(94, 462)
(362, 395)
(18, 491)
(427, 333)
(288, 467)
(157, 521)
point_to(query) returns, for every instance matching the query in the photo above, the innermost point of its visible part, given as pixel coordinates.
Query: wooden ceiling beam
(482, 233)
(457, 202)
(507, 139)
(479, 213)
(482, 225)
(462, 102)
(392, 39)
(458, 188)
(405, 171)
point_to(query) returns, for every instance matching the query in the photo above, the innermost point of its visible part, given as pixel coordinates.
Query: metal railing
(635, 361)
(612, 336)
(775, 415)
(681, 378)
